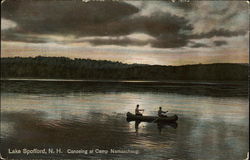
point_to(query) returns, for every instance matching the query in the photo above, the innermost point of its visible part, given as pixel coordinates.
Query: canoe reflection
(160, 126)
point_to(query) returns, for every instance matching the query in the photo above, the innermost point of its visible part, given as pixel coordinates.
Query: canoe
(133, 117)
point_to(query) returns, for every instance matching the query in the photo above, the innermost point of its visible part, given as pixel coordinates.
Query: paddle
(143, 111)
(157, 118)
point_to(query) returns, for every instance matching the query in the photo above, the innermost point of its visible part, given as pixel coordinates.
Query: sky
(147, 32)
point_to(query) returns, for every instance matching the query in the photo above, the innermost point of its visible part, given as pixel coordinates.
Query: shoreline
(124, 81)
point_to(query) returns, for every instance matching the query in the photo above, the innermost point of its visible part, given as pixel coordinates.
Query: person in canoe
(161, 113)
(137, 110)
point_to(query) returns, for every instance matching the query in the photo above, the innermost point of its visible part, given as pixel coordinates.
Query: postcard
(124, 79)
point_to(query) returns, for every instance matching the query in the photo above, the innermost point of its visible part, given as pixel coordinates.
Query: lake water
(91, 115)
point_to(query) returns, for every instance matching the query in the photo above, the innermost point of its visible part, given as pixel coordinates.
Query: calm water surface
(213, 119)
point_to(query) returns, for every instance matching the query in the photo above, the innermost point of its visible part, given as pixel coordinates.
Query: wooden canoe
(133, 117)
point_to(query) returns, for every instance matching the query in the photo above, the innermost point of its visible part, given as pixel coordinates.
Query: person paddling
(137, 110)
(161, 113)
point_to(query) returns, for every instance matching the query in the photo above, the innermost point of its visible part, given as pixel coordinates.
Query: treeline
(62, 67)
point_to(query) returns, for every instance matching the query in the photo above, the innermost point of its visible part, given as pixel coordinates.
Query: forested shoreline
(66, 68)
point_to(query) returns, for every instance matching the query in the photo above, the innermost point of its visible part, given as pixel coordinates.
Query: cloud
(199, 45)
(7, 24)
(204, 16)
(207, 16)
(170, 25)
(92, 19)
(220, 43)
(121, 42)
(74, 17)
(184, 5)
(221, 32)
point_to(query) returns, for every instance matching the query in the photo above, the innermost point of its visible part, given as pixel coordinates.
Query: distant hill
(62, 67)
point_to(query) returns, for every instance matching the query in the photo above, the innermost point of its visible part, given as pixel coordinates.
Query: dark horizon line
(141, 64)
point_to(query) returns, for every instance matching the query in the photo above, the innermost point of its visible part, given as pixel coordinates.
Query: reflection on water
(93, 115)
(160, 126)
(217, 89)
